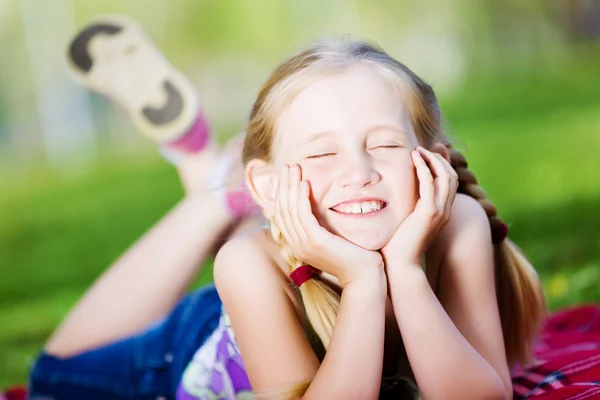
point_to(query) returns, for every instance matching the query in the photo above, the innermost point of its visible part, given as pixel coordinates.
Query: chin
(368, 239)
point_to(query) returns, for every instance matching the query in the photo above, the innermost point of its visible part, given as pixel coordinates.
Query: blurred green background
(518, 80)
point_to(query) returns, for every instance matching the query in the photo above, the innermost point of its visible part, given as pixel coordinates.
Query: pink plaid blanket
(569, 359)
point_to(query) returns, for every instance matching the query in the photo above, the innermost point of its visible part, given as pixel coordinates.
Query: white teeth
(365, 207)
(361, 208)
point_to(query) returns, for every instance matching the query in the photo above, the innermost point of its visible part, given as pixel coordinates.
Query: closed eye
(322, 155)
(387, 146)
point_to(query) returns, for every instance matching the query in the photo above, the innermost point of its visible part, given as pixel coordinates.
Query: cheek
(410, 195)
(404, 189)
(319, 184)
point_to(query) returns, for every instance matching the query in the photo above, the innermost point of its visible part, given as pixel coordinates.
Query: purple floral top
(216, 371)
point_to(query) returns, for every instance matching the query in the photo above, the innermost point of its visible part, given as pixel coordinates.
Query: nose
(358, 172)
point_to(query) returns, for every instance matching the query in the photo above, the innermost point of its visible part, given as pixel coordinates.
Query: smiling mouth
(357, 208)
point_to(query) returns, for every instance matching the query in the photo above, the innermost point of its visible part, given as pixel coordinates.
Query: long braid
(467, 184)
(520, 296)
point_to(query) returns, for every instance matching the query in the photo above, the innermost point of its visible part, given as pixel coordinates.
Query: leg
(145, 282)
(145, 366)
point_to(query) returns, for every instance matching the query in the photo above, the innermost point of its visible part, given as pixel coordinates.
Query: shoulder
(243, 265)
(267, 324)
(238, 250)
(465, 241)
(468, 225)
(467, 211)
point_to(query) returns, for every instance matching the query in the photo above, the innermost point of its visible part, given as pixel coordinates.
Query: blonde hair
(520, 298)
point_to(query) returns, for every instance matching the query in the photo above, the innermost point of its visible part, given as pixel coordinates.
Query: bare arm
(454, 344)
(274, 347)
(146, 281)
(353, 363)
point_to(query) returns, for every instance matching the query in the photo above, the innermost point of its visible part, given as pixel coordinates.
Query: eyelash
(321, 155)
(389, 146)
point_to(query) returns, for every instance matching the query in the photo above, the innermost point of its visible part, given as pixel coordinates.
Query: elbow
(503, 389)
(507, 395)
(498, 392)
(501, 396)
(492, 394)
(490, 391)
(496, 387)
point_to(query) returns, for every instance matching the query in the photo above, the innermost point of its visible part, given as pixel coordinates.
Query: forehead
(348, 101)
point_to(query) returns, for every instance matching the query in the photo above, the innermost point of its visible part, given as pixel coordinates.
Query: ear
(261, 180)
(442, 150)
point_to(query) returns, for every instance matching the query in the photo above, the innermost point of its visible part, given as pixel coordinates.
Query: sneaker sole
(113, 56)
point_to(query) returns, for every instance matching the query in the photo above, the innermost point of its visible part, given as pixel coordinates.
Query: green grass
(533, 145)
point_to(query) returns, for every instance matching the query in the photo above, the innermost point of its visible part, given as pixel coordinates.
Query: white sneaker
(112, 55)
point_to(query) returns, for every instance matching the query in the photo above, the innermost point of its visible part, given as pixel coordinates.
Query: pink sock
(238, 200)
(195, 138)
(193, 141)
(240, 203)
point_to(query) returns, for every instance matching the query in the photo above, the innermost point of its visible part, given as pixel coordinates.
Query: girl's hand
(309, 241)
(438, 183)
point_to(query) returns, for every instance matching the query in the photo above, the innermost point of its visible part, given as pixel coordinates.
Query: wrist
(400, 262)
(407, 274)
(371, 280)
(371, 270)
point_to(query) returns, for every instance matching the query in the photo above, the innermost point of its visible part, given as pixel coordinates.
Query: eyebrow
(386, 127)
(318, 135)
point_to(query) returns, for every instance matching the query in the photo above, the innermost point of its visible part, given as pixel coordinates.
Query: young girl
(345, 155)
(373, 279)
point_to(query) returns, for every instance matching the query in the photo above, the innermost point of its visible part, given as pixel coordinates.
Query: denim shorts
(145, 366)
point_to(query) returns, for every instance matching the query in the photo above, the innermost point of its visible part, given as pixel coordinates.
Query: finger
(281, 225)
(290, 195)
(441, 180)
(426, 189)
(282, 217)
(451, 172)
(315, 232)
(306, 218)
(277, 213)
(293, 202)
(318, 236)
(453, 184)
